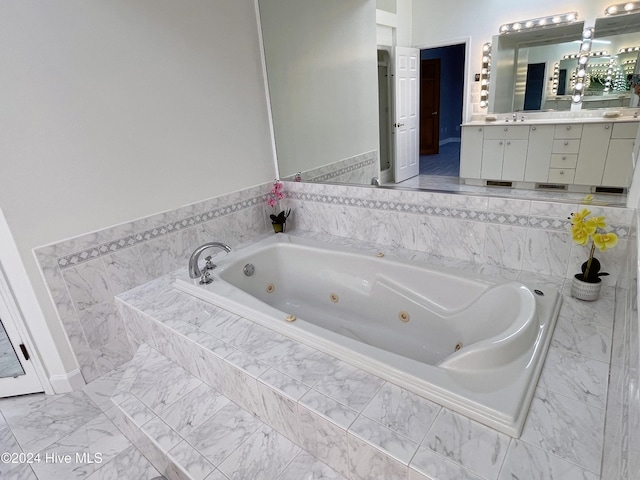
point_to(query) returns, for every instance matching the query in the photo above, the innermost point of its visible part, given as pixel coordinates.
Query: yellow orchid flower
(605, 240)
(580, 234)
(578, 217)
(595, 223)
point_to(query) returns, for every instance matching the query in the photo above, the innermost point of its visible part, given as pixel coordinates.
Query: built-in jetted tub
(467, 342)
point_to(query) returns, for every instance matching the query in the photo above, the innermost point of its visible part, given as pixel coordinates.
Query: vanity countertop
(508, 120)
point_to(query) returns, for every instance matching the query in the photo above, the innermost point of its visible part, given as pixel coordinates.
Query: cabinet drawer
(520, 132)
(568, 131)
(566, 146)
(561, 160)
(624, 130)
(561, 175)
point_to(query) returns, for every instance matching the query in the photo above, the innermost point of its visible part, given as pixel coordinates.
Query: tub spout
(194, 270)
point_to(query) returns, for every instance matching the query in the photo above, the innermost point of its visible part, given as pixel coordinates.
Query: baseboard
(449, 140)
(67, 383)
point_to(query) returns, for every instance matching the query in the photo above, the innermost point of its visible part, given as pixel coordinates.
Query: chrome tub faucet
(204, 274)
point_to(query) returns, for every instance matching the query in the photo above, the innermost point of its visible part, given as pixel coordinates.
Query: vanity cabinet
(588, 154)
(504, 152)
(539, 153)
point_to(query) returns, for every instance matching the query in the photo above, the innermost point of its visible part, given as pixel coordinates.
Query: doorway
(443, 87)
(534, 86)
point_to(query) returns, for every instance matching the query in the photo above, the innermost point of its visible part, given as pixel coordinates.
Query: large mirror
(323, 68)
(522, 66)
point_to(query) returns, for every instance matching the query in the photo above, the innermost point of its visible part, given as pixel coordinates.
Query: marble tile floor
(392, 433)
(68, 437)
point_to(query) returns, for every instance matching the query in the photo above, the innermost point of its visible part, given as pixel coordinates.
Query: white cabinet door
(617, 169)
(492, 156)
(515, 158)
(539, 153)
(471, 152)
(593, 151)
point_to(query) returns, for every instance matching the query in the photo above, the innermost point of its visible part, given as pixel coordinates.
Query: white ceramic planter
(585, 290)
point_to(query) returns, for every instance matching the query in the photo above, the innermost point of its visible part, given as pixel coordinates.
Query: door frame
(467, 110)
(31, 381)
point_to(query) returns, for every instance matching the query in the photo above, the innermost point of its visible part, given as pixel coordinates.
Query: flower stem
(585, 275)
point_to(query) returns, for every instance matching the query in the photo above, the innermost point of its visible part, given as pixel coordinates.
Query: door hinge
(25, 353)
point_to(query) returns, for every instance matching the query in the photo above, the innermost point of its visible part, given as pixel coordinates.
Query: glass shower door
(10, 365)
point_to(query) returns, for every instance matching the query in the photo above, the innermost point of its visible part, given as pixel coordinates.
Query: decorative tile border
(332, 171)
(112, 246)
(484, 216)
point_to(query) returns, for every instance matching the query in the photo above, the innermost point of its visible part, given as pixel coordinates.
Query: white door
(406, 119)
(17, 373)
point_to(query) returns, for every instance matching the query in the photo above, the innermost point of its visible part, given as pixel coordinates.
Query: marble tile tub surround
(366, 428)
(189, 430)
(359, 169)
(521, 234)
(84, 273)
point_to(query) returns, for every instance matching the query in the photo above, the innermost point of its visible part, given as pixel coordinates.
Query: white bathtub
(469, 343)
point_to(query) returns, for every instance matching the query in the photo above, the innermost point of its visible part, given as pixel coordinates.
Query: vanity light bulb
(579, 86)
(571, 17)
(576, 98)
(583, 60)
(485, 59)
(588, 32)
(628, 7)
(585, 47)
(611, 10)
(556, 19)
(516, 26)
(504, 28)
(484, 82)
(542, 22)
(483, 104)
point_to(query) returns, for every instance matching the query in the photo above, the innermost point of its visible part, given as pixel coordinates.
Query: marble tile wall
(359, 169)
(528, 235)
(83, 274)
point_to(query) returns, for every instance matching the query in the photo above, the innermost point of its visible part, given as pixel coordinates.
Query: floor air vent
(551, 186)
(495, 183)
(617, 190)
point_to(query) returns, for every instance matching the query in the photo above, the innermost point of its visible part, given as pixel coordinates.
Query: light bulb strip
(537, 23)
(484, 75)
(581, 70)
(622, 8)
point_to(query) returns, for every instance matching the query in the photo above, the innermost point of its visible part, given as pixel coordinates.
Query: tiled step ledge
(314, 400)
(188, 431)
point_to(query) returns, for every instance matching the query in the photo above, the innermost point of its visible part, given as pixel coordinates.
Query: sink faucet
(194, 270)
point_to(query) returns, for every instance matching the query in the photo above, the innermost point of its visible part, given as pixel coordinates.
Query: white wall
(115, 110)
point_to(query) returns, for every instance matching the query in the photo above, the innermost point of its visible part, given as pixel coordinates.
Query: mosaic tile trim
(112, 246)
(498, 218)
(339, 168)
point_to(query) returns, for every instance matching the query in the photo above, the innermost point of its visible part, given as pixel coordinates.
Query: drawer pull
(506, 129)
(500, 143)
(569, 128)
(508, 143)
(561, 172)
(533, 128)
(606, 127)
(564, 158)
(566, 143)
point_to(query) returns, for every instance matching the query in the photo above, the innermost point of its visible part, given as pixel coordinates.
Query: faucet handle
(205, 279)
(209, 265)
